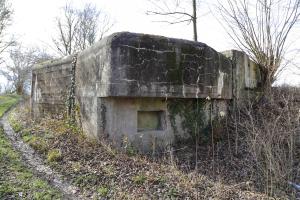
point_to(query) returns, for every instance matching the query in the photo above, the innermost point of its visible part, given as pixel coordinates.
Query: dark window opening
(150, 120)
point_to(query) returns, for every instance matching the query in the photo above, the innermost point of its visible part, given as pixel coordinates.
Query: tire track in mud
(33, 161)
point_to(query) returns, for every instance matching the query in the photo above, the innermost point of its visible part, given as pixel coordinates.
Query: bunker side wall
(247, 77)
(92, 67)
(50, 87)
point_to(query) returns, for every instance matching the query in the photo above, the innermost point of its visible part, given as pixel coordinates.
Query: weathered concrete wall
(133, 121)
(139, 65)
(155, 66)
(93, 67)
(247, 76)
(50, 86)
(123, 116)
(144, 90)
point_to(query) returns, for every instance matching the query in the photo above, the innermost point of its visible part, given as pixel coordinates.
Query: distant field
(6, 101)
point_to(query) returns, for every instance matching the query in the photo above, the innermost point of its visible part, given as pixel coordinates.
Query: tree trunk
(267, 83)
(195, 20)
(19, 89)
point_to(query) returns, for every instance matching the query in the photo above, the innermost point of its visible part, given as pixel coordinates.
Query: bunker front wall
(50, 87)
(128, 79)
(155, 124)
(154, 66)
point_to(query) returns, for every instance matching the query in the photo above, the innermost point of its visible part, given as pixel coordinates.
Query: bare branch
(177, 13)
(80, 28)
(5, 20)
(261, 28)
(18, 70)
(168, 13)
(175, 22)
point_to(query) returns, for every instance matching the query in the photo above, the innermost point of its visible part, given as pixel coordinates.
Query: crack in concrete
(36, 163)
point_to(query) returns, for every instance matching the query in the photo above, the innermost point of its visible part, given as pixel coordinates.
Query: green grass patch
(6, 101)
(17, 181)
(86, 180)
(37, 142)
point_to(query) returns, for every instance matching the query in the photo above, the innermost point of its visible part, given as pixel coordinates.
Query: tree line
(76, 30)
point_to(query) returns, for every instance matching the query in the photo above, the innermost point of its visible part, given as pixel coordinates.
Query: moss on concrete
(193, 116)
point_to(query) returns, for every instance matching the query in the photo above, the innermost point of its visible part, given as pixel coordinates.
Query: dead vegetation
(259, 148)
(270, 131)
(102, 172)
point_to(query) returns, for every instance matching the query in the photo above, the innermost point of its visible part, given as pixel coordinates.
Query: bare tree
(5, 19)
(67, 26)
(261, 28)
(18, 71)
(79, 29)
(92, 25)
(176, 13)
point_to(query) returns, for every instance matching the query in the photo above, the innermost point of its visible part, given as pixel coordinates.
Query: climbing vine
(192, 113)
(71, 97)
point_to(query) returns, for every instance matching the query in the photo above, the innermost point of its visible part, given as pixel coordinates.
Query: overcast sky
(34, 23)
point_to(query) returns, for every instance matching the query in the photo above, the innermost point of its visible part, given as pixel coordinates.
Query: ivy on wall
(193, 114)
(71, 97)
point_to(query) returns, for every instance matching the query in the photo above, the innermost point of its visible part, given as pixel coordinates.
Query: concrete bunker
(143, 90)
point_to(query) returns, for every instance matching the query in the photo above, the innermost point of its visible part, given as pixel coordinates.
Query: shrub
(270, 129)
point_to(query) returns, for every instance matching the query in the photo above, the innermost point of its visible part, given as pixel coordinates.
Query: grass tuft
(139, 179)
(103, 191)
(54, 155)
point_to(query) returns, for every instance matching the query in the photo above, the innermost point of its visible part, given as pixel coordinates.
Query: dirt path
(34, 162)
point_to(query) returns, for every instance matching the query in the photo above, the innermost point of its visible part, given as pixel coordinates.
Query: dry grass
(99, 170)
(269, 134)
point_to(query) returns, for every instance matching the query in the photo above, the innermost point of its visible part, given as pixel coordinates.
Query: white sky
(33, 23)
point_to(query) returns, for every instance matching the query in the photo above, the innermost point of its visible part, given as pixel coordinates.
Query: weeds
(38, 144)
(103, 191)
(109, 170)
(270, 131)
(160, 180)
(129, 149)
(17, 127)
(139, 179)
(76, 166)
(54, 155)
(172, 193)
